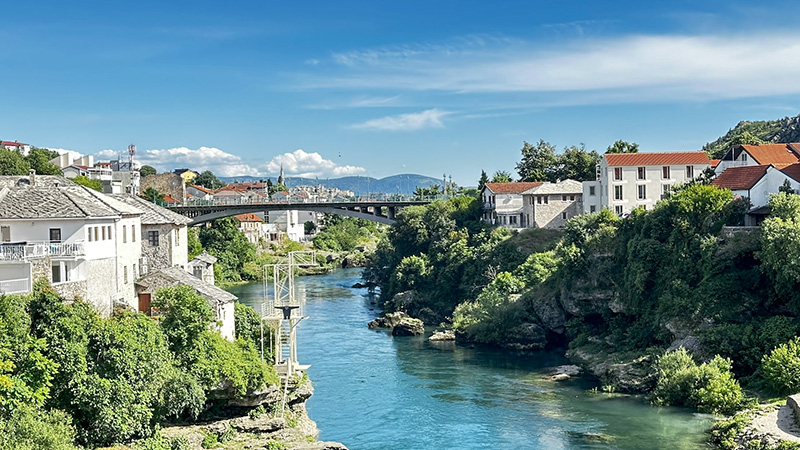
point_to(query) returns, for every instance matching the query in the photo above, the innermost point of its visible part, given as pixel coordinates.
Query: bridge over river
(377, 210)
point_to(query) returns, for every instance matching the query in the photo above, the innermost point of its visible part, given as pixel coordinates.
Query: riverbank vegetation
(617, 292)
(70, 378)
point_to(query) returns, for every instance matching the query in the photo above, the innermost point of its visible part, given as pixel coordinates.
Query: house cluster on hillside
(625, 181)
(118, 176)
(111, 250)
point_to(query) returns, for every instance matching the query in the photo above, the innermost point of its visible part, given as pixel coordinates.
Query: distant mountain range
(395, 184)
(771, 131)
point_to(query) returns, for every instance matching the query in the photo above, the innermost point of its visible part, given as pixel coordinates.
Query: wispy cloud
(431, 118)
(304, 164)
(629, 68)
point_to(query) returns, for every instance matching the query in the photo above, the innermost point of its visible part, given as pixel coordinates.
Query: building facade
(626, 181)
(551, 205)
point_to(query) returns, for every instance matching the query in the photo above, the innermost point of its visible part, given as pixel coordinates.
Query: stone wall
(101, 276)
(166, 183)
(160, 256)
(550, 215)
(72, 290)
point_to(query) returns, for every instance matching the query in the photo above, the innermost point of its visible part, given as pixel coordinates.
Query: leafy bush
(28, 428)
(248, 324)
(781, 367)
(709, 387)
(493, 313)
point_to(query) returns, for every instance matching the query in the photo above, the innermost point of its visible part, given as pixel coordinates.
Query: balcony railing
(9, 287)
(40, 249)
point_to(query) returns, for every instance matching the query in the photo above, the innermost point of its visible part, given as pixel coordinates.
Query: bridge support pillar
(390, 212)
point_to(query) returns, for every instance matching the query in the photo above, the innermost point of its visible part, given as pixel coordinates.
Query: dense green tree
(193, 242)
(12, 163)
(483, 180)
(147, 170)
(152, 195)
(230, 246)
(786, 187)
(208, 180)
(430, 191)
(538, 162)
(576, 164)
(621, 146)
(344, 234)
(501, 176)
(745, 138)
(97, 185)
(39, 160)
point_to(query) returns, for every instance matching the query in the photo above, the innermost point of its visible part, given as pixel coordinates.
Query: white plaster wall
(653, 183)
(225, 315)
(179, 248)
(595, 200)
(769, 184)
(100, 285)
(129, 251)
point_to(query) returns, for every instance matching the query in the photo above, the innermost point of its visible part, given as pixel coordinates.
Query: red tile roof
(656, 159)
(715, 163)
(11, 144)
(201, 188)
(512, 188)
(772, 153)
(793, 170)
(739, 178)
(169, 199)
(248, 217)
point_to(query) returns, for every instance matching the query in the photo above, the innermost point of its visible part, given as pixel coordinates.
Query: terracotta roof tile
(248, 217)
(772, 153)
(738, 178)
(715, 163)
(202, 189)
(792, 170)
(656, 159)
(513, 188)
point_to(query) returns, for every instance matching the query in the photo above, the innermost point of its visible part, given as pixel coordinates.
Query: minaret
(280, 177)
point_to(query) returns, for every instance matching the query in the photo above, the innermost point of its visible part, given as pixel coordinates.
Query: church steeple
(280, 177)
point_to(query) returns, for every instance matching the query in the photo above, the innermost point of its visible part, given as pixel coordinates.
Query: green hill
(776, 131)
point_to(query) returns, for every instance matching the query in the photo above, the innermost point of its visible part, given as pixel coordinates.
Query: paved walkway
(779, 423)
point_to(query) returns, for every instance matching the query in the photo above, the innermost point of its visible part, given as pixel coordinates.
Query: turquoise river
(373, 391)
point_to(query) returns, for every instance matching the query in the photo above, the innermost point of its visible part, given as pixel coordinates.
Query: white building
(759, 155)
(629, 180)
(72, 236)
(290, 222)
(758, 183)
(502, 203)
(23, 149)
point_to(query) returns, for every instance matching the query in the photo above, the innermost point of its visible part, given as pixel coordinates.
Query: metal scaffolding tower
(283, 311)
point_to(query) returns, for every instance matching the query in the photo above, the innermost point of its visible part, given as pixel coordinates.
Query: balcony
(20, 286)
(39, 249)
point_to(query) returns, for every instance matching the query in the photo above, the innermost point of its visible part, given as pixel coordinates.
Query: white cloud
(303, 164)
(430, 118)
(204, 158)
(597, 70)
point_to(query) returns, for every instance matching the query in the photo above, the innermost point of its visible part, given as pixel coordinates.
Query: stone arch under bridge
(381, 212)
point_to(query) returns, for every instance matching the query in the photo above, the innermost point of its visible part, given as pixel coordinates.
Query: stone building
(502, 203)
(163, 235)
(202, 267)
(78, 239)
(550, 205)
(220, 301)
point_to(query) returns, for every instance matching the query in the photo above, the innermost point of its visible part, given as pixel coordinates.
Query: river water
(373, 391)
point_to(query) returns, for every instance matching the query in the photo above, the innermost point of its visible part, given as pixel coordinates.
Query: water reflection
(378, 392)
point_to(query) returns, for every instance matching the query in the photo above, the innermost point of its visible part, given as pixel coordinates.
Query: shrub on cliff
(496, 310)
(782, 367)
(709, 387)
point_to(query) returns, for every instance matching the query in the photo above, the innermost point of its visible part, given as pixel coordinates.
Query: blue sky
(379, 88)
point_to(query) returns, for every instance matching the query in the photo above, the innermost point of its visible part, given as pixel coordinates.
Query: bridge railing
(367, 198)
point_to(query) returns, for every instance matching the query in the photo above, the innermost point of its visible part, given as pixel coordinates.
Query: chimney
(32, 176)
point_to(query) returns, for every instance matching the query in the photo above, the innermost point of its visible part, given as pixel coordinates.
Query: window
(666, 189)
(125, 273)
(744, 156)
(641, 174)
(5, 233)
(592, 209)
(617, 192)
(135, 273)
(95, 234)
(124, 234)
(133, 233)
(90, 233)
(591, 190)
(152, 238)
(539, 200)
(109, 231)
(642, 191)
(665, 172)
(618, 173)
(689, 171)
(104, 233)
(572, 198)
(178, 237)
(56, 273)
(563, 198)
(546, 199)
(564, 215)
(512, 220)
(55, 234)
(197, 271)
(618, 210)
